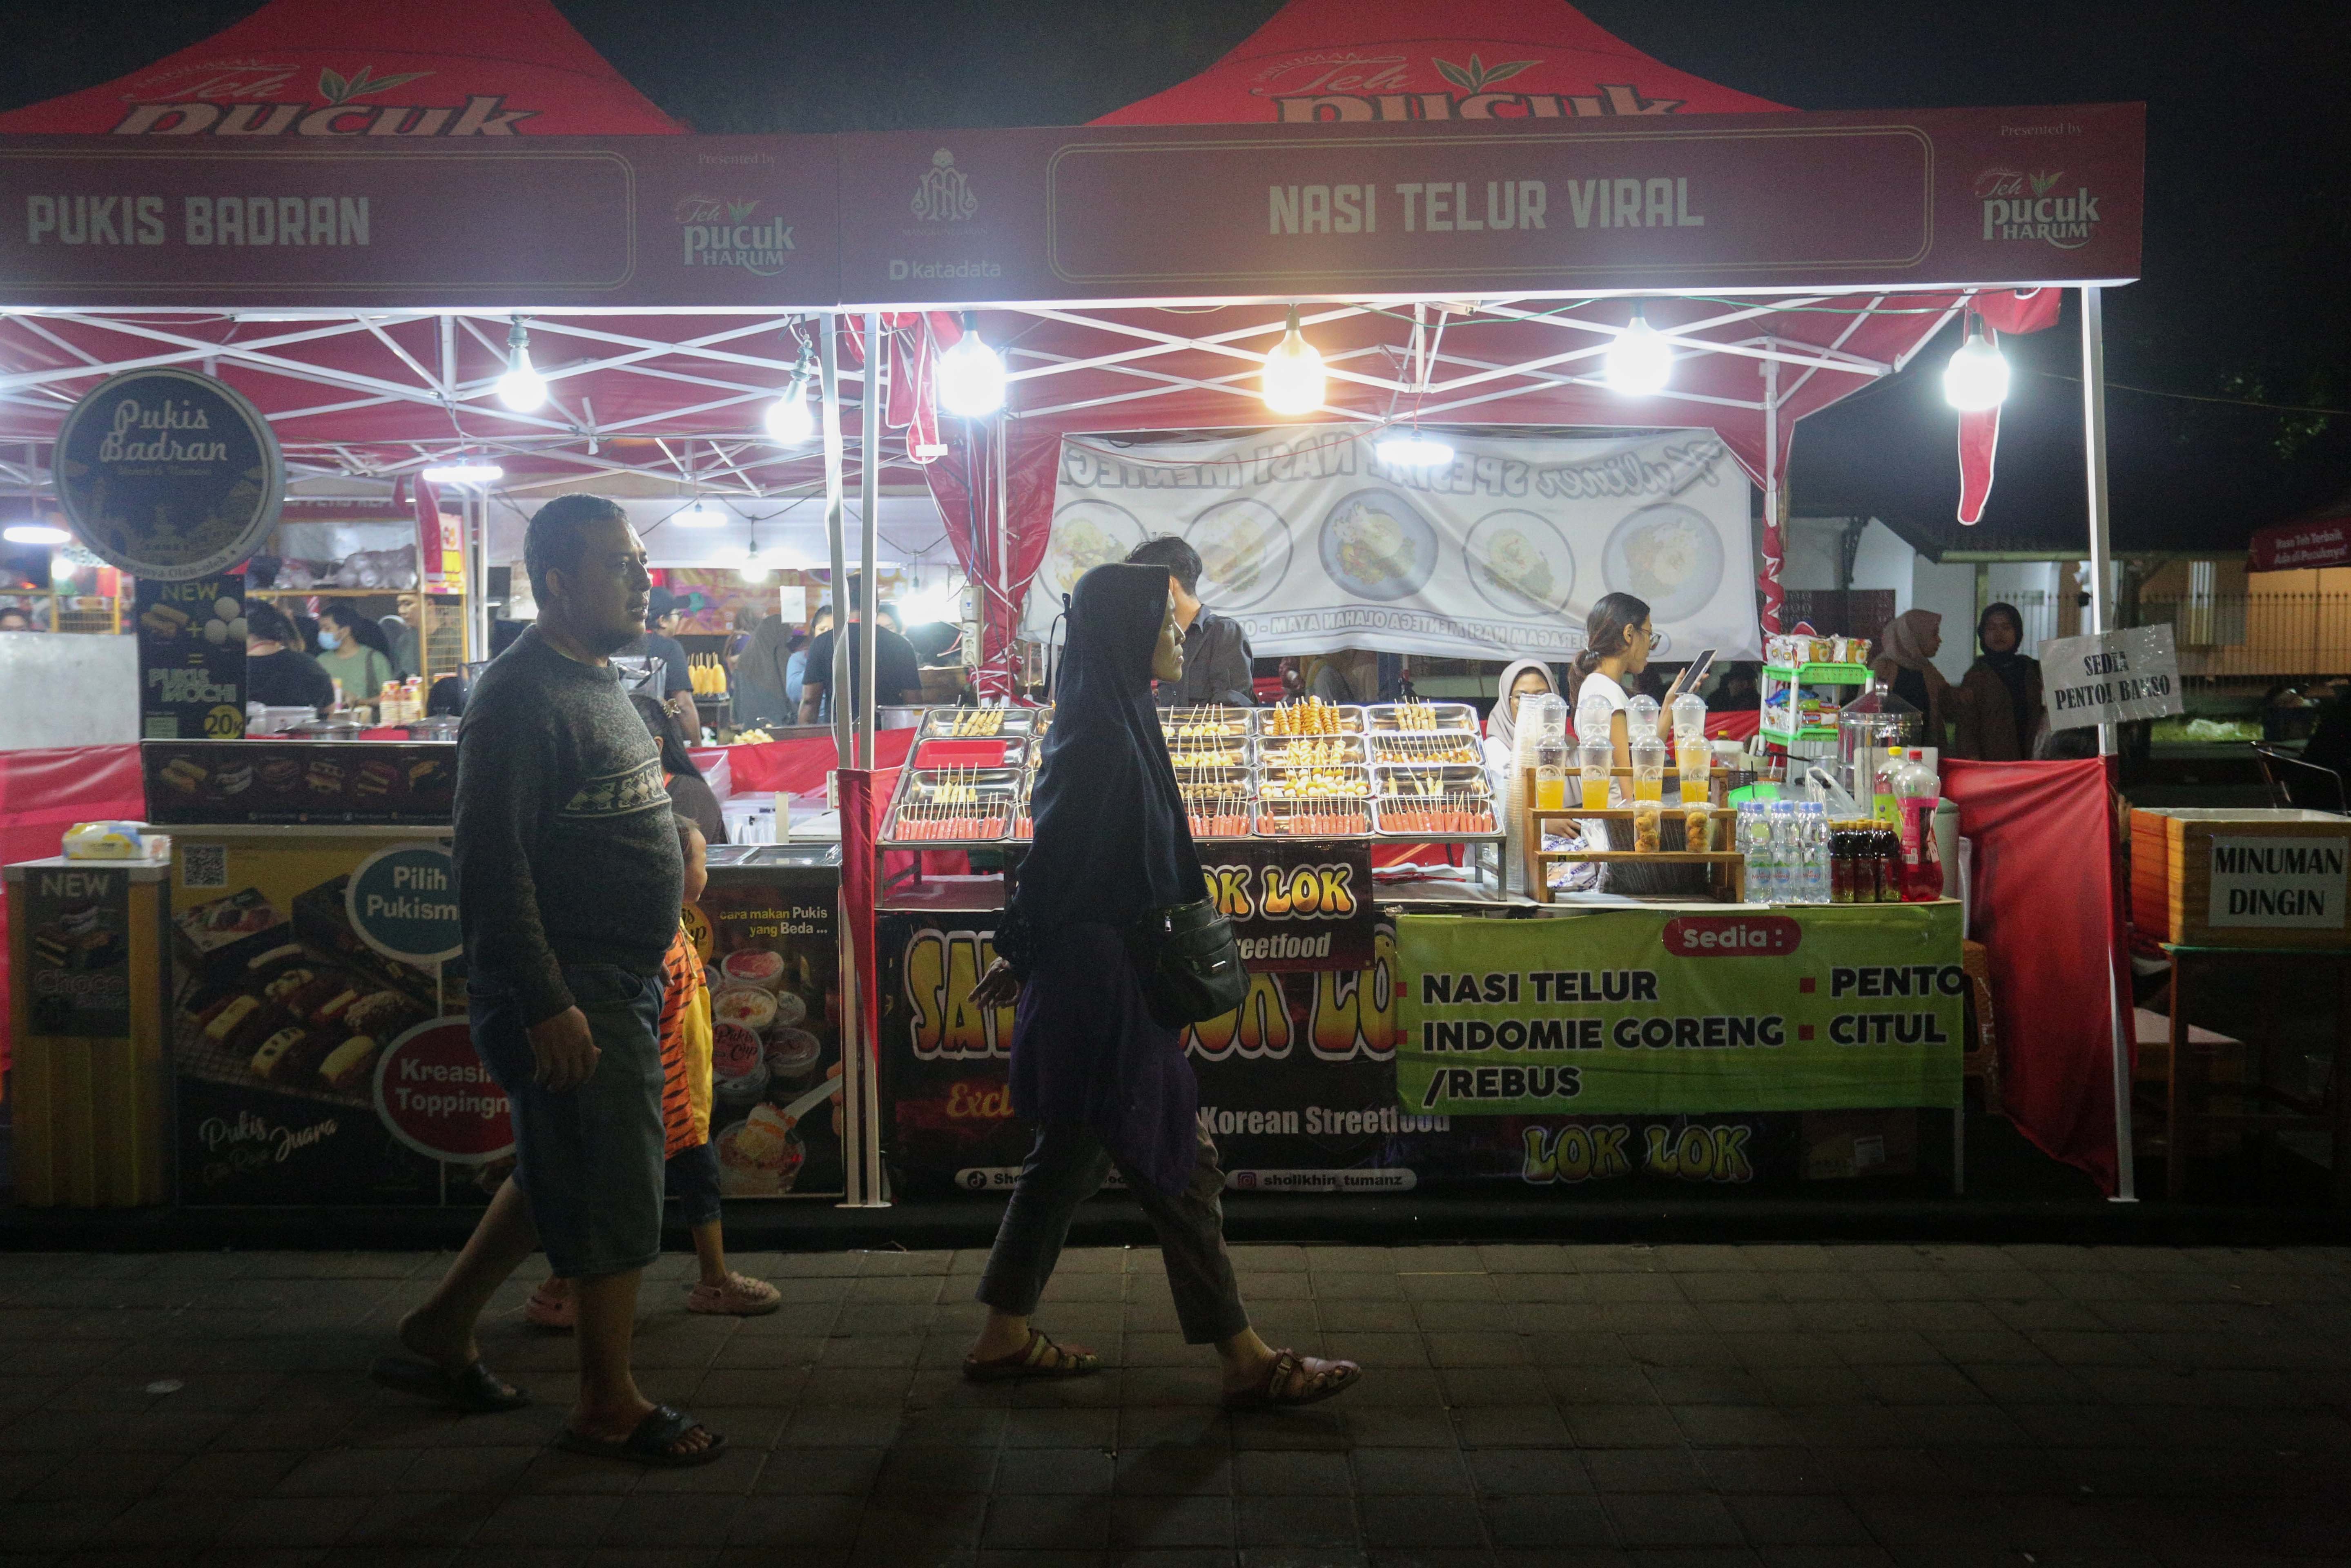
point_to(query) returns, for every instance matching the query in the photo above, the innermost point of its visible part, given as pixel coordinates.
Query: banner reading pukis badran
(1312, 543)
(1640, 1012)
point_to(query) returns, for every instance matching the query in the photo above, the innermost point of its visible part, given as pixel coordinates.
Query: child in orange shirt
(693, 1164)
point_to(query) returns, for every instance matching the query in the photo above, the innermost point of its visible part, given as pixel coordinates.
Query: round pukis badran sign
(169, 475)
(434, 1094)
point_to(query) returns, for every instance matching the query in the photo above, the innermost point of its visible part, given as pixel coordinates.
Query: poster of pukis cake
(283, 1012)
(767, 936)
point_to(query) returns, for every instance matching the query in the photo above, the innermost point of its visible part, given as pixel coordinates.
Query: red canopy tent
(300, 69)
(1503, 60)
(375, 363)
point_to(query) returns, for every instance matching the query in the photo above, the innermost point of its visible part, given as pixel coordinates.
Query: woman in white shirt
(1616, 640)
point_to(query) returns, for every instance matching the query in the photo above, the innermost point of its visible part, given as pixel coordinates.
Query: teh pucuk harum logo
(943, 195)
(2019, 206)
(721, 232)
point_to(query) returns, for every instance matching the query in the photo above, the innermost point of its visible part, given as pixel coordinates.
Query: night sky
(2246, 293)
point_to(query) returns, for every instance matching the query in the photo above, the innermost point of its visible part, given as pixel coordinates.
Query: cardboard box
(1842, 1144)
(2224, 877)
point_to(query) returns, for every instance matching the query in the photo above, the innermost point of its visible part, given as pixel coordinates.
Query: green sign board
(1637, 1012)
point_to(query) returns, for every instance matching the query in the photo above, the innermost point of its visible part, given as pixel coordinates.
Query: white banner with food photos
(1314, 544)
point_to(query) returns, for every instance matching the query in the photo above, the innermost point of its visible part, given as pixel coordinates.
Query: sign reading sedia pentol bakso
(168, 474)
(2112, 678)
(1643, 1012)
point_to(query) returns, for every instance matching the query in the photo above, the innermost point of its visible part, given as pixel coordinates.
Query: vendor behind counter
(277, 674)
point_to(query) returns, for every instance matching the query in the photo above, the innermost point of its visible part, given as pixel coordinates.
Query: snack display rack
(1806, 679)
(1409, 772)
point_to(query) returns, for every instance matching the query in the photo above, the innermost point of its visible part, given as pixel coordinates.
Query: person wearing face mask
(1105, 1083)
(2001, 708)
(353, 649)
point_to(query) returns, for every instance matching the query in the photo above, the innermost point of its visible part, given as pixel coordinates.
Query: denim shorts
(590, 1159)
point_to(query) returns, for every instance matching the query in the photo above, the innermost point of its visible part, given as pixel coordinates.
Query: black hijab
(1112, 838)
(2014, 668)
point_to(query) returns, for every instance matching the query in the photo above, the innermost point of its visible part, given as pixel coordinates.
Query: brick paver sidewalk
(1781, 1404)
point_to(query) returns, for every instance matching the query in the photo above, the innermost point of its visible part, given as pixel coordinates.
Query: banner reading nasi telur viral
(1312, 543)
(1636, 1012)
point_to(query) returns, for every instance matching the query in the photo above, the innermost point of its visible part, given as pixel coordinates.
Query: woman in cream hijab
(1906, 662)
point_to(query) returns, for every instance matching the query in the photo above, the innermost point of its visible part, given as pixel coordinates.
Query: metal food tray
(1414, 746)
(938, 724)
(1265, 748)
(1316, 817)
(1448, 779)
(1240, 781)
(1017, 748)
(1424, 718)
(1268, 778)
(1351, 718)
(1197, 747)
(1243, 808)
(918, 792)
(1388, 809)
(1232, 723)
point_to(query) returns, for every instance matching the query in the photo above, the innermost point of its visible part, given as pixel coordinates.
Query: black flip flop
(651, 1444)
(474, 1389)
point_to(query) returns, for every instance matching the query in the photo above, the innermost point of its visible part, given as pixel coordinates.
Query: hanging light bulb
(1639, 361)
(755, 571)
(971, 376)
(700, 514)
(1408, 448)
(522, 388)
(1976, 377)
(464, 471)
(1294, 372)
(791, 418)
(790, 421)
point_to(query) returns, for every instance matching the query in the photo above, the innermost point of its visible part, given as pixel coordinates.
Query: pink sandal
(559, 1312)
(741, 1297)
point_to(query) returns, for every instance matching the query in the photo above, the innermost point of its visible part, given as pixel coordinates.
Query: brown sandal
(1040, 1358)
(1335, 1378)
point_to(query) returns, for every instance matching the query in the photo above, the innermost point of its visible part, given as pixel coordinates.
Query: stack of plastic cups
(1693, 759)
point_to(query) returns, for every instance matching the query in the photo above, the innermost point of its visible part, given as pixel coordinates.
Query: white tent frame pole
(855, 1131)
(861, 1092)
(2094, 467)
(869, 506)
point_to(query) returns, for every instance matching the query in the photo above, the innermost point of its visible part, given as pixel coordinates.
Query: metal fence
(2256, 636)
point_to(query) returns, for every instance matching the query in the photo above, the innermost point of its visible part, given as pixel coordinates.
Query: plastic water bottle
(1754, 842)
(1813, 832)
(1787, 853)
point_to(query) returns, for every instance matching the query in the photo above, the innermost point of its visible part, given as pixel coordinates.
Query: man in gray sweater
(569, 879)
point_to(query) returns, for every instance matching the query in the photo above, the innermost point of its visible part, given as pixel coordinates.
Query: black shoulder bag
(1191, 963)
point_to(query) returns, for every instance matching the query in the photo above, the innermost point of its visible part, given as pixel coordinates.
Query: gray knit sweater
(566, 851)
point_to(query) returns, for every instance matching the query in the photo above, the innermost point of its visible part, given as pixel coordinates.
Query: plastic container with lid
(1641, 717)
(1867, 727)
(1648, 768)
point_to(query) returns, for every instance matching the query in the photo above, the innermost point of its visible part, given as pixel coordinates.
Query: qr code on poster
(203, 865)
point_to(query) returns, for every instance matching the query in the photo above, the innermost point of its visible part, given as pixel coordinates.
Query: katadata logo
(943, 195)
(247, 98)
(2018, 205)
(718, 232)
(1348, 84)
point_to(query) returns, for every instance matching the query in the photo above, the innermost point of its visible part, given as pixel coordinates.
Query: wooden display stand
(1726, 868)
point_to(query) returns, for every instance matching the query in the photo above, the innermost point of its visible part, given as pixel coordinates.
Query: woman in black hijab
(2001, 710)
(1104, 1083)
